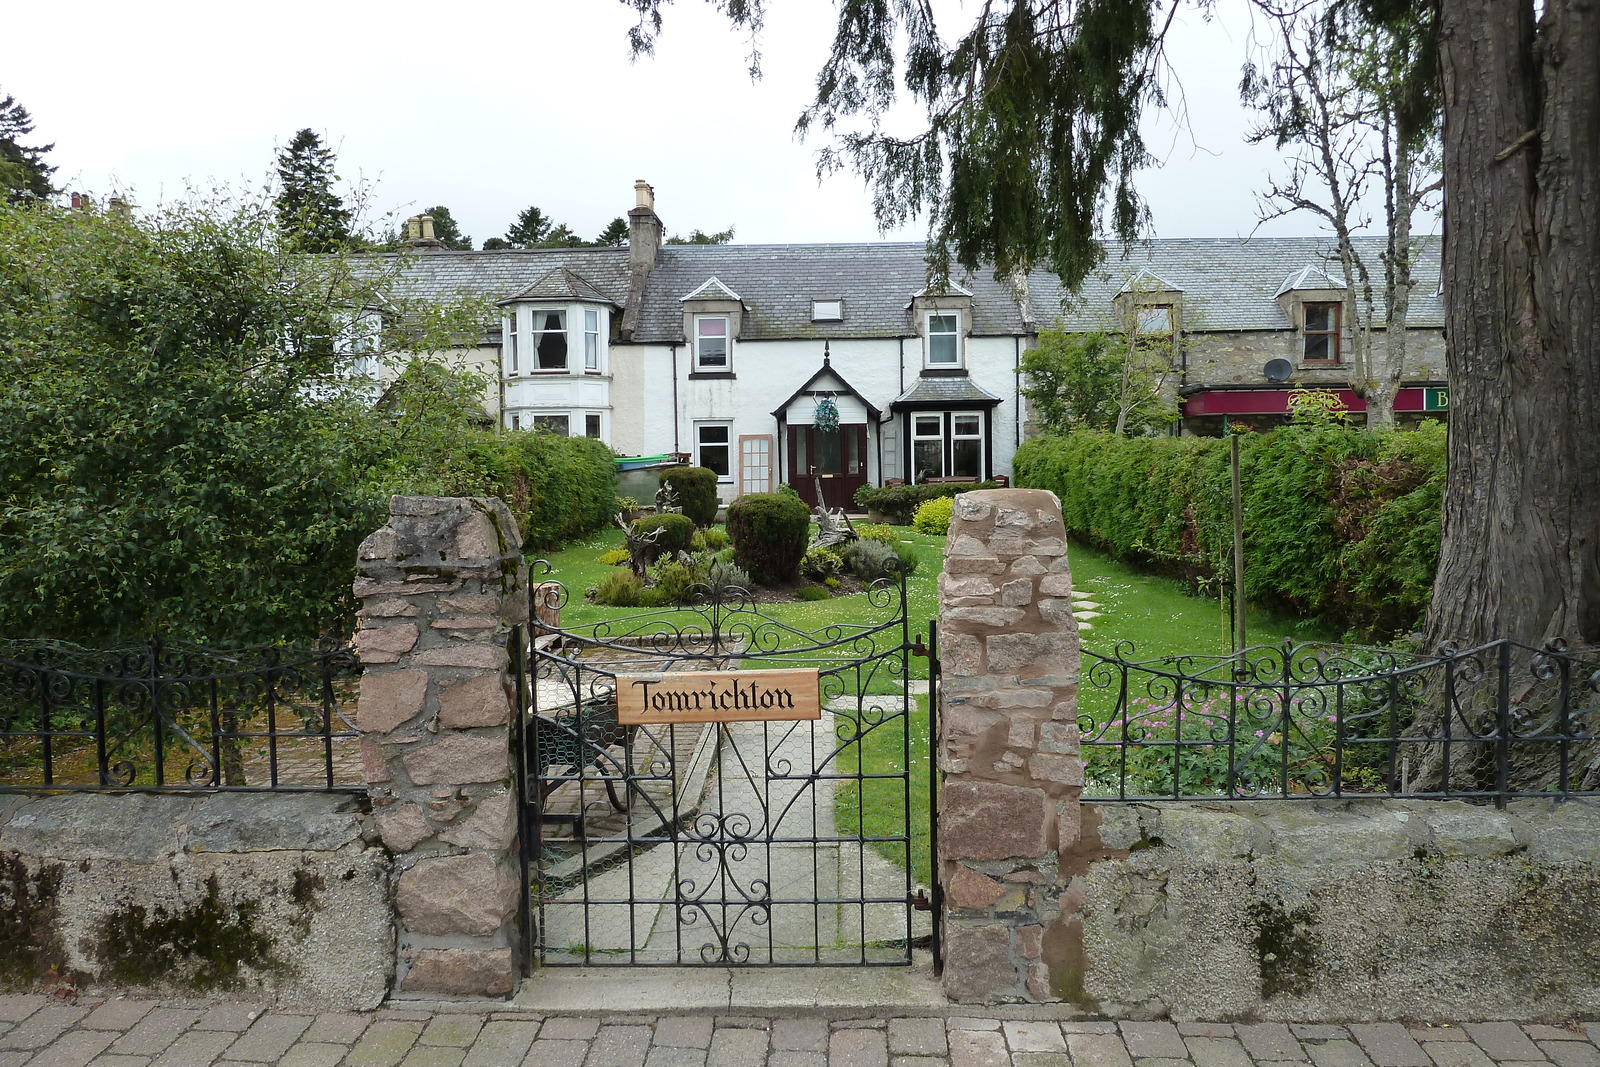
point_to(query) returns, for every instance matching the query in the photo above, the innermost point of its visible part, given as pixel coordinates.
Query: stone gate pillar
(441, 586)
(1008, 655)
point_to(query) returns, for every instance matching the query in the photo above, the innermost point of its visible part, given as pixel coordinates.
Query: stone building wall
(1236, 357)
(441, 585)
(232, 895)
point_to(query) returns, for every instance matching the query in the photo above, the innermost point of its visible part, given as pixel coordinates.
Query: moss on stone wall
(30, 941)
(204, 946)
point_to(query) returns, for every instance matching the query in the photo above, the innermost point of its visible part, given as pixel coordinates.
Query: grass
(1155, 614)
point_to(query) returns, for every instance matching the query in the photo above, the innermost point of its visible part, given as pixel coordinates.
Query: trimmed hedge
(697, 492)
(1341, 524)
(900, 502)
(558, 488)
(769, 535)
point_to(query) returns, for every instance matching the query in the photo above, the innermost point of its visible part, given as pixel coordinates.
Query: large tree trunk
(1521, 556)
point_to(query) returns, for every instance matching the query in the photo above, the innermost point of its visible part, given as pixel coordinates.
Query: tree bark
(1520, 556)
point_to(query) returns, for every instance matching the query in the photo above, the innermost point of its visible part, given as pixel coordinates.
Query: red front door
(828, 466)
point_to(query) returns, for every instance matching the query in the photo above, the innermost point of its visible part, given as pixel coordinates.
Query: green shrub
(831, 583)
(900, 502)
(868, 560)
(619, 589)
(812, 592)
(615, 557)
(785, 489)
(676, 529)
(557, 488)
(1340, 523)
(697, 492)
(716, 540)
(768, 531)
(723, 575)
(819, 563)
(671, 582)
(933, 516)
(877, 531)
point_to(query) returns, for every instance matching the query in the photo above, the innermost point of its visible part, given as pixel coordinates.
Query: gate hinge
(917, 648)
(919, 899)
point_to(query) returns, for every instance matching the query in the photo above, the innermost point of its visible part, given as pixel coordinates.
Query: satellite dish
(1278, 370)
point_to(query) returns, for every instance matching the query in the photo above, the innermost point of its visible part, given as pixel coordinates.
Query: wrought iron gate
(737, 843)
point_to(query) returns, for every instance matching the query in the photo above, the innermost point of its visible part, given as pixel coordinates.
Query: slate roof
(1228, 283)
(562, 283)
(778, 282)
(952, 390)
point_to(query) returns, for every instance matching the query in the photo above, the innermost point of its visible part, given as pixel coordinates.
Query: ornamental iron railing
(1307, 721)
(173, 717)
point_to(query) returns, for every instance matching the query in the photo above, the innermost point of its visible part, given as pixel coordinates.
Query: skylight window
(827, 311)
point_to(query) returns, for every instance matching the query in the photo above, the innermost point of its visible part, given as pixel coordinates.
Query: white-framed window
(549, 338)
(591, 342)
(516, 422)
(944, 339)
(711, 343)
(946, 444)
(556, 424)
(827, 311)
(511, 353)
(713, 447)
(592, 425)
(1155, 320)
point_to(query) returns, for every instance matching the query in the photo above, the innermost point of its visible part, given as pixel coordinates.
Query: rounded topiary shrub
(677, 530)
(697, 492)
(769, 535)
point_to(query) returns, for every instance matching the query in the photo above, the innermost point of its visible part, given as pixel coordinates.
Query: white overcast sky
(488, 107)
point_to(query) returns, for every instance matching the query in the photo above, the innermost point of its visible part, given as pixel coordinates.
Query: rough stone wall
(255, 896)
(1335, 911)
(441, 586)
(1008, 744)
(1237, 357)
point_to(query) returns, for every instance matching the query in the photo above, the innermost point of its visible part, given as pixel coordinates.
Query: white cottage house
(831, 366)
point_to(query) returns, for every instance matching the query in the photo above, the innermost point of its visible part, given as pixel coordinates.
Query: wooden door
(828, 466)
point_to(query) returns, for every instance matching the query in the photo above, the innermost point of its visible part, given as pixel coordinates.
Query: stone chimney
(645, 234)
(420, 236)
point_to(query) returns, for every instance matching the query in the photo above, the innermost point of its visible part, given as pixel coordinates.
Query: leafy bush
(697, 492)
(615, 557)
(933, 516)
(671, 581)
(900, 502)
(813, 592)
(819, 563)
(677, 530)
(769, 535)
(909, 560)
(785, 489)
(619, 589)
(723, 575)
(716, 540)
(831, 583)
(877, 531)
(1339, 523)
(868, 560)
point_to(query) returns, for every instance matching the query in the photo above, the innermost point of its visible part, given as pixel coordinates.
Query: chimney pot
(427, 227)
(644, 196)
(413, 228)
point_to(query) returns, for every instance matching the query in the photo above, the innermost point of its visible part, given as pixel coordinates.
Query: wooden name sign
(718, 696)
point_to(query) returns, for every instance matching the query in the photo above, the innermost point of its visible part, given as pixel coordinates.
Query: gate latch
(919, 899)
(918, 648)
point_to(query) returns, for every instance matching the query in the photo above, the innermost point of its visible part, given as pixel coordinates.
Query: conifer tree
(23, 174)
(310, 213)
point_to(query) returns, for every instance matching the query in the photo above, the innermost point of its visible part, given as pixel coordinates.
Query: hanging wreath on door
(826, 417)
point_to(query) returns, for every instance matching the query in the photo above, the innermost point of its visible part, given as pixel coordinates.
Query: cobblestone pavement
(42, 1032)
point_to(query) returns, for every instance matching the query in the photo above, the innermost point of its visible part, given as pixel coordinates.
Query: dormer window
(944, 339)
(1155, 320)
(1321, 334)
(827, 311)
(549, 337)
(711, 342)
